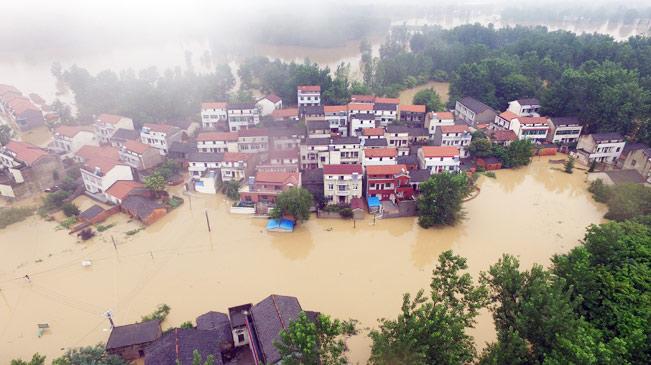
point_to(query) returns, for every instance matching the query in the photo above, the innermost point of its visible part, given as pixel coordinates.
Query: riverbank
(442, 88)
(330, 266)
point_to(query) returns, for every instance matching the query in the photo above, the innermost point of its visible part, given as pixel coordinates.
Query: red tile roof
(504, 135)
(273, 98)
(342, 169)
(373, 132)
(213, 105)
(360, 106)
(285, 113)
(104, 163)
(533, 120)
(293, 153)
(137, 147)
(284, 178)
(362, 98)
(109, 118)
(387, 100)
(412, 108)
(70, 131)
(385, 169)
(335, 108)
(8, 88)
(87, 152)
(217, 136)
(443, 116)
(381, 152)
(236, 156)
(440, 151)
(457, 128)
(26, 152)
(21, 106)
(121, 188)
(309, 88)
(160, 128)
(507, 115)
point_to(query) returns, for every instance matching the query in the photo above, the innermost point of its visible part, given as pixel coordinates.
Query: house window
(240, 337)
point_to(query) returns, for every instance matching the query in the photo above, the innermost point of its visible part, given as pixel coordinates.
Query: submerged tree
(95, 355)
(37, 359)
(295, 202)
(156, 183)
(433, 330)
(568, 167)
(440, 199)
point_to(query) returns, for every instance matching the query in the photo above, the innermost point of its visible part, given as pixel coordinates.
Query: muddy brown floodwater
(441, 88)
(359, 273)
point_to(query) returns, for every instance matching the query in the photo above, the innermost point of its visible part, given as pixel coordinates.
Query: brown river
(330, 266)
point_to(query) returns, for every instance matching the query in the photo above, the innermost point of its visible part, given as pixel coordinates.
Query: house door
(342, 200)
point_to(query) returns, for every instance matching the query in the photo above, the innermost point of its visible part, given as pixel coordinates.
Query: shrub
(159, 314)
(70, 209)
(102, 228)
(346, 213)
(186, 325)
(68, 222)
(13, 215)
(133, 231)
(600, 191)
(490, 174)
(54, 201)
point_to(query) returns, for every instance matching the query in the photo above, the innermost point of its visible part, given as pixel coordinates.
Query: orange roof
(442, 115)
(121, 188)
(285, 113)
(373, 132)
(533, 120)
(507, 115)
(503, 135)
(87, 152)
(236, 156)
(387, 100)
(335, 108)
(457, 128)
(277, 177)
(412, 108)
(217, 136)
(135, 146)
(385, 169)
(20, 106)
(70, 131)
(25, 152)
(160, 128)
(360, 106)
(104, 163)
(357, 98)
(213, 105)
(440, 151)
(8, 88)
(109, 118)
(309, 88)
(381, 152)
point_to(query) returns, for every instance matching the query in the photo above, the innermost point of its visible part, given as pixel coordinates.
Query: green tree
(433, 330)
(628, 201)
(321, 340)
(480, 147)
(440, 199)
(608, 279)
(429, 98)
(161, 312)
(232, 189)
(156, 183)
(70, 209)
(197, 359)
(5, 134)
(90, 355)
(295, 202)
(520, 153)
(37, 359)
(568, 167)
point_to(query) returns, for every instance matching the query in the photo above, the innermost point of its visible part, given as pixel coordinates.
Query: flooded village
(254, 208)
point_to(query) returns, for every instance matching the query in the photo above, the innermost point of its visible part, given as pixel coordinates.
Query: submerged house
(26, 169)
(145, 209)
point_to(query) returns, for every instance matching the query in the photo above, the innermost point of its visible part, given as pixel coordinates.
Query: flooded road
(442, 88)
(357, 273)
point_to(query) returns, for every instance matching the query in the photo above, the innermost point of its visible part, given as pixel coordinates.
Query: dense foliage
(161, 312)
(37, 359)
(90, 355)
(429, 98)
(432, 330)
(320, 340)
(294, 202)
(439, 202)
(625, 201)
(13, 215)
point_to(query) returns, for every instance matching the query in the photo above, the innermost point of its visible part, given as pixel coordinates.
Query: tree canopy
(439, 202)
(294, 202)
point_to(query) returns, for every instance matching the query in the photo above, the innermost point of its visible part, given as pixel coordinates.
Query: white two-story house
(529, 107)
(380, 156)
(69, 139)
(160, 136)
(439, 159)
(564, 130)
(600, 147)
(242, 116)
(437, 119)
(308, 95)
(454, 135)
(140, 156)
(337, 115)
(534, 129)
(107, 124)
(341, 183)
(217, 142)
(213, 114)
(359, 122)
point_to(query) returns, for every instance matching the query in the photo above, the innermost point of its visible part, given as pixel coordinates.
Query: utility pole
(109, 315)
(207, 220)
(115, 246)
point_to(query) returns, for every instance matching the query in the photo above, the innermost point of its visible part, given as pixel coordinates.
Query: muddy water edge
(330, 266)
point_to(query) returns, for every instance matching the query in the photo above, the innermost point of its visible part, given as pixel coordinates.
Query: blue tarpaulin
(280, 225)
(373, 202)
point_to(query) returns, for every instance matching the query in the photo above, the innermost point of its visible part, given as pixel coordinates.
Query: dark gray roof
(237, 316)
(398, 129)
(475, 105)
(183, 147)
(317, 124)
(240, 106)
(375, 142)
(312, 176)
(212, 320)
(206, 157)
(625, 176)
(419, 176)
(140, 206)
(91, 212)
(179, 345)
(312, 110)
(270, 316)
(565, 121)
(363, 116)
(286, 132)
(126, 134)
(411, 159)
(633, 147)
(133, 334)
(383, 106)
(345, 140)
(418, 132)
(600, 137)
(529, 101)
(317, 141)
(183, 124)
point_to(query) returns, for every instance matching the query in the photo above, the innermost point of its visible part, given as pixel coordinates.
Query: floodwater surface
(441, 88)
(330, 266)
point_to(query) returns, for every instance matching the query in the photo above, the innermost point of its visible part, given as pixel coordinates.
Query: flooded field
(331, 267)
(441, 88)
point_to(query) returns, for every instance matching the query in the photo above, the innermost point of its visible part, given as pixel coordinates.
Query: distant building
(600, 147)
(69, 139)
(341, 183)
(121, 136)
(213, 115)
(360, 108)
(564, 130)
(385, 113)
(640, 160)
(529, 107)
(308, 95)
(388, 182)
(242, 116)
(312, 180)
(503, 137)
(454, 135)
(413, 113)
(398, 136)
(288, 138)
(254, 140)
(437, 119)
(160, 136)
(438, 159)
(107, 124)
(380, 156)
(217, 142)
(129, 342)
(26, 169)
(337, 115)
(474, 111)
(534, 129)
(139, 155)
(101, 168)
(315, 153)
(285, 115)
(359, 122)
(268, 104)
(265, 186)
(503, 120)
(318, 128)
